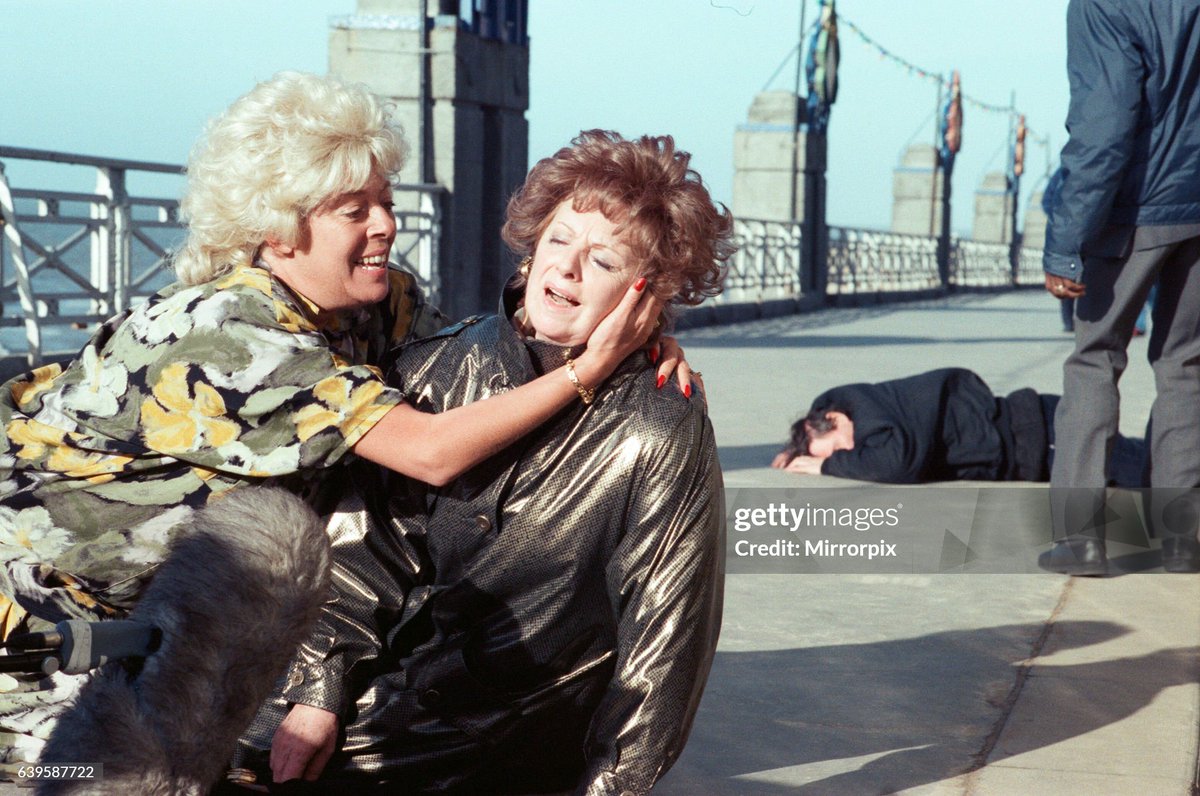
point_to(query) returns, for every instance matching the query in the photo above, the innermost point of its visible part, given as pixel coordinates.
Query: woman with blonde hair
(260, 365)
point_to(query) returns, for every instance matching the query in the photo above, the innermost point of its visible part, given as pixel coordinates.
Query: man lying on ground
(944, 425)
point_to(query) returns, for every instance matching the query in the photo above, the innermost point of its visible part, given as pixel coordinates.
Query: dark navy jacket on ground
(943, 425)
(1133, 157)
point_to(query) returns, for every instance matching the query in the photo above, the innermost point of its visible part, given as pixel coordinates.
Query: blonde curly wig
(272, 158)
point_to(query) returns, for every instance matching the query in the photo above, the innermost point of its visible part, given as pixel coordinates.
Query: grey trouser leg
(1087, 417)
(1175, 356)
(1174, 505)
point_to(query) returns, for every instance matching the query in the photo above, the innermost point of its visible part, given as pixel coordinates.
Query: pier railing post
(10, 231)
(100, 252)
(122, 235)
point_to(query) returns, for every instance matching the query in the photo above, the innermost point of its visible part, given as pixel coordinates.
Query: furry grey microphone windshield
(235, 596)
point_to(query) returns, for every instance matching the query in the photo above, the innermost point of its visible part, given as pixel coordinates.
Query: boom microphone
(76, 646)
(236, 594)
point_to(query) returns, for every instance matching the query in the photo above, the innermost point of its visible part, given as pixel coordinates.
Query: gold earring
(525, 266)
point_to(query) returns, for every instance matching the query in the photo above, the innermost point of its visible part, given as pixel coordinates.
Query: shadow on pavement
(917, 710)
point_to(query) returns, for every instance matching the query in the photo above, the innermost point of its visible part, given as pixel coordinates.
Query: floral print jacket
(201, 389)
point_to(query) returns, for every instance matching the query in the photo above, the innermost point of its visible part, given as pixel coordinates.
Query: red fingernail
(640, 284)
(687, 390)
(661, 381)
(654, 355)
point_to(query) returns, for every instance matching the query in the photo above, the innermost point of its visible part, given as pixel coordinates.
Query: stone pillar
(917, 189)
(1034, 234)
(461, 89)
(779, 175)
(993, 210)
(769, 155)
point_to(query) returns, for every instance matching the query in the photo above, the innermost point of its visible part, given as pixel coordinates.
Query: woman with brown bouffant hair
(547, 621)
(662, 209)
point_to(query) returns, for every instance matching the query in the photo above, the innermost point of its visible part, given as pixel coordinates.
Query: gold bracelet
(584, 393)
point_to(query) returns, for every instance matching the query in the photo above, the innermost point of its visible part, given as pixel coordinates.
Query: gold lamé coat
(546, 622)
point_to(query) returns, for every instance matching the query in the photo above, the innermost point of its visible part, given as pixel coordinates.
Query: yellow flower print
(291, 320)
(333, 391)
(79, 594)
(315, 418)
(256, 278)
(96, 466)
(177, 420)
(205, 473)
(34, 437)
(339, 406)
(260, 280)
(23, 392)
(285, 313)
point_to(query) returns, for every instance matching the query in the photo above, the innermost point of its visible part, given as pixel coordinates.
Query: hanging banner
(951, 122)
(1019, 148)
(821, 68)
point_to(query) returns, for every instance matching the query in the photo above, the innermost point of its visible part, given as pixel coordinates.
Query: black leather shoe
(1181, 554)
(1081, 556)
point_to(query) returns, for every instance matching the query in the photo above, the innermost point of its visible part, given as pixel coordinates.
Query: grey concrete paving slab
(934, 684)
(858, 683)
(928, 700)
(1065, 783)
(1166, 613)
(1098, 719)
(1124, 706)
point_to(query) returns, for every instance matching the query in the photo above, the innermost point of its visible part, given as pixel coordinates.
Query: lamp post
(821, 70)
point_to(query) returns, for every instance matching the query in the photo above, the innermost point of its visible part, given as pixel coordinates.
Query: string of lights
(936, 78)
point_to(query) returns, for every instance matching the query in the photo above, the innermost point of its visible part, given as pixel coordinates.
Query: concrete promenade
(869, 683)
(935, 683)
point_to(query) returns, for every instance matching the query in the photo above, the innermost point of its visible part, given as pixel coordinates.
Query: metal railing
(71, 259)
(869, 261)
(419, 210)
(977, 264)
(766, 265)
(1029, 268)
(863, 261)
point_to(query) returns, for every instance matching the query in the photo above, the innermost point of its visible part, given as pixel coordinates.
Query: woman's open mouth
(558, 299)
(373, 263)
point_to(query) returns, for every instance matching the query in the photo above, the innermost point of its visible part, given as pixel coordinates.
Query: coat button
(295, 678)
(483, 523)
(431, 698)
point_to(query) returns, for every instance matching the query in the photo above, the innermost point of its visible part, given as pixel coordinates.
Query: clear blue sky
(137, 78)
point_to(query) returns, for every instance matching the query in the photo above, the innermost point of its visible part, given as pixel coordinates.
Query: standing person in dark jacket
(1128, 214)
(944, 425)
